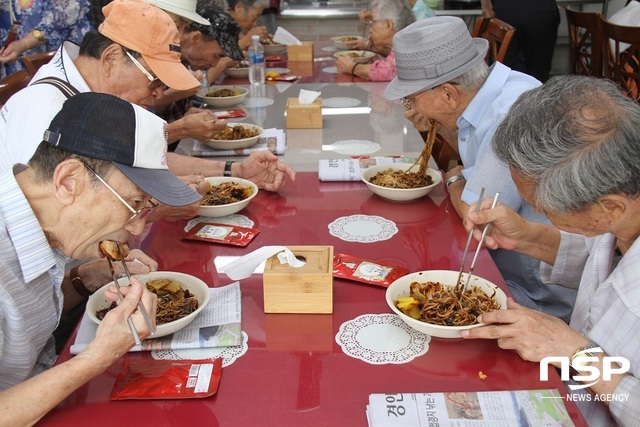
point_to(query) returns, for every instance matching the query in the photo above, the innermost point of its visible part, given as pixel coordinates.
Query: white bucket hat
(184, 8)
(432, 51)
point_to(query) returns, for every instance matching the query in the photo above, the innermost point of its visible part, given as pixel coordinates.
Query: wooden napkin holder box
(304, 116)
(307, 289)
(303, 52)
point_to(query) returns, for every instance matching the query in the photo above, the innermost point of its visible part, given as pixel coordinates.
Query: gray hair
(473, 79)
(397, 11)
(577, 139)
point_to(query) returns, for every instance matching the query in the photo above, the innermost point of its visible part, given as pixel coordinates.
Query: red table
(294, 373)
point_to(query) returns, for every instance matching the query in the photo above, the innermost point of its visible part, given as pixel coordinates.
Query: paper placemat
(228, 354)
(363, 228)
(340, 102)
(381, 339)
(233, 219)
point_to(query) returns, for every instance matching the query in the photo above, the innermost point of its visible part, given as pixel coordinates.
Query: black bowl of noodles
(392, 183)
(196, 289)
(438, 310)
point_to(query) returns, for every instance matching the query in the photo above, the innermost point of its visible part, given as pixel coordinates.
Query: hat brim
(399, 88)
(193, 16)
(160, 184)
(173, 74)
(233, 51)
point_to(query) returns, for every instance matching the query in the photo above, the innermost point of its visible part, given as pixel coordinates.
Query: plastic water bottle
(256, 61)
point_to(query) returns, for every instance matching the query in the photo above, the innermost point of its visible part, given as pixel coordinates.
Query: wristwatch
(453, 179)
(590, 350)
(38, 34)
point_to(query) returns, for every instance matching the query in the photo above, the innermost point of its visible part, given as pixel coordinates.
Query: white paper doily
(228, 354)
(339, 102)
(257, 102)
(381, 339)
(330, 70)
(329, 49)
(233, 219)
(355, 147)
(362, 228)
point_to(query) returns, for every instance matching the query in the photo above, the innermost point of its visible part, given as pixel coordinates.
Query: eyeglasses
(408, 102)
(137, 214)
(154, 82)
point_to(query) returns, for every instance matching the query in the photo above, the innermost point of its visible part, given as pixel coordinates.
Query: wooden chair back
(33, 62)
(498, 33)
(13, 83)
(622, 56)
(585, 43)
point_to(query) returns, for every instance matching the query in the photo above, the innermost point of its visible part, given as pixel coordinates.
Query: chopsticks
(141, 307)
(460, 287)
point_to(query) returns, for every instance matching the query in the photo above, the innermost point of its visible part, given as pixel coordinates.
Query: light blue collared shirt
(482, 168)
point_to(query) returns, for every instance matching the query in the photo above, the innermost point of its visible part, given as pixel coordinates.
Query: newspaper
(534, 408)
(351, 169)
(265, 142)
(218, 325)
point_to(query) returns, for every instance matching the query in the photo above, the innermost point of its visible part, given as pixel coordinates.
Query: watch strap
(227, 168)
(77, 283)
(584, 351)
(453, 179)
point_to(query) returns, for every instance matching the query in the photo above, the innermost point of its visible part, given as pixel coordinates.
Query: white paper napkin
(245, 265)
(307, 96)
(283, 36)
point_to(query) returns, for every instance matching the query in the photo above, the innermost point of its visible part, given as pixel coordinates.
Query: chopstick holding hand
(113, 335)
(512, 232)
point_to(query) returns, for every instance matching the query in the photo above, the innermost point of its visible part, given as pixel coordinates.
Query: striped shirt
(607, 312)
(31, 274)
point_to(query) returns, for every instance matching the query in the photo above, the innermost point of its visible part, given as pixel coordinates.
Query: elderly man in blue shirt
(442, 77)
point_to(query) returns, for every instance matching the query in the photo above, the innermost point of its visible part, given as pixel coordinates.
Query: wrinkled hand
(345, 64)
(360, 44)
(365, 15)
(533, 334)
(10, 53)
(507, 227)
(96, 273)
(113, 336)
(260, 31)
(420, 122)
(186, 212)
(264, 169)
(202, 124)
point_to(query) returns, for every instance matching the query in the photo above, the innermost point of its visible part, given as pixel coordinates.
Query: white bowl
(358, 56)
(231, 208)
(222, 101)
(343, 42)
(238, 72)
(399, 194)
(197, 287)
(234, 144)
(400, 288)
(274, 49)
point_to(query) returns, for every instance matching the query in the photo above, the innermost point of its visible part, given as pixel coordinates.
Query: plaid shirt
(607, 312)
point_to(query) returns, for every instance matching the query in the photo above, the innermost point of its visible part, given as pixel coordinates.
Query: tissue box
(304, 116)
(303, 52)
(308, 289)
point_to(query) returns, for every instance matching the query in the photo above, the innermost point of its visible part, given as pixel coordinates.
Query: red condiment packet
(229, 114)
(167, 379)
(362, 270)
(222, 233)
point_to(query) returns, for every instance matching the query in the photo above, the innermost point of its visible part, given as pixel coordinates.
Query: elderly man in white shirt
(572, 147)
